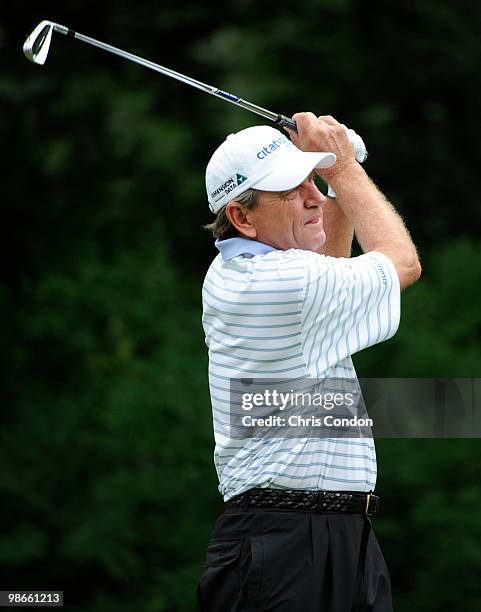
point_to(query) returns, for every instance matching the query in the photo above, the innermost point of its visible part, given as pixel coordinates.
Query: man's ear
(241, 218)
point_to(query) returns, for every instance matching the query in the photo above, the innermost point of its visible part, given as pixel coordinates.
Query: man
(284, 299)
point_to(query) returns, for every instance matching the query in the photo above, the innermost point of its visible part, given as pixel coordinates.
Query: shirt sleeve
(349, 304)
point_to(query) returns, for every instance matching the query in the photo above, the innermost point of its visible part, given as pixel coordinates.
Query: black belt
(307, 501)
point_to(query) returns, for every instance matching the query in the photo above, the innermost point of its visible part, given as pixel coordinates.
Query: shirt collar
(233, 247)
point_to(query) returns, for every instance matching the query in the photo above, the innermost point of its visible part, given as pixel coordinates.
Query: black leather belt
(307, 501)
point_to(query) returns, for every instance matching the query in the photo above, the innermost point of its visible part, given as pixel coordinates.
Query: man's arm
(377, 225)
(339, 231)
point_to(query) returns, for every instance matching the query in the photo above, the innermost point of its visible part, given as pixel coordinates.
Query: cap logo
(240, 179)
(224, 189)
(272, 146)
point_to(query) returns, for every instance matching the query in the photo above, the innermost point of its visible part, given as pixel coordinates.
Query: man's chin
(317, 243)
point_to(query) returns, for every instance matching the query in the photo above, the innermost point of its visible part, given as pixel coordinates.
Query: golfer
(284, 299)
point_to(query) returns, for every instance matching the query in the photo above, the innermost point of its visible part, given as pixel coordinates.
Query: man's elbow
(411, 272)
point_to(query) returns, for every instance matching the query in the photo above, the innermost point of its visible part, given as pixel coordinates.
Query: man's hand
(324, 133)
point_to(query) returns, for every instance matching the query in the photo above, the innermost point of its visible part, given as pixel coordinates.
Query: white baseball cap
(260, 157)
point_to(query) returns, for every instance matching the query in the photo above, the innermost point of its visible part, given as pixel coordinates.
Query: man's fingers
(293, 135)
(310, 119)
(324, 124)
(305, 121)
(328, 118)
(306, 124)
(304, 117)
(321, 133)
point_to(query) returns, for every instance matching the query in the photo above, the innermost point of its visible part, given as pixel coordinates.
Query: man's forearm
(339, 231)
(377, 224)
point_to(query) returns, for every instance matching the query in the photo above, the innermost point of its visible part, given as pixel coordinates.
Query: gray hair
(222, 228)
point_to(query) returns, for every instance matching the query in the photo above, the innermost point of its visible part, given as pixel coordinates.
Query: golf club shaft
(280, 120)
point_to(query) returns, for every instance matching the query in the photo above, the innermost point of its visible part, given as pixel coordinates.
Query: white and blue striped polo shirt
(270, 313)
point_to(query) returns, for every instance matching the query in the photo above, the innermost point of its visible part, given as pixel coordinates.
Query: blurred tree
(107, 457)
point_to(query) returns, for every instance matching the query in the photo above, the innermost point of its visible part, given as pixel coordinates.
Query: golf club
(37, 45)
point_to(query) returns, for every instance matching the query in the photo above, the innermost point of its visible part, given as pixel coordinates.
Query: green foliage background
(107, 482)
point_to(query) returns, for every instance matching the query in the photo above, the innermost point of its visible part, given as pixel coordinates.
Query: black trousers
(277, 561)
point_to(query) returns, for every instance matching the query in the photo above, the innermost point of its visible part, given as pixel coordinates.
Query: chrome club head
(37, 44)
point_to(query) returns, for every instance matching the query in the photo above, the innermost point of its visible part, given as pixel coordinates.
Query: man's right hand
(324, 134)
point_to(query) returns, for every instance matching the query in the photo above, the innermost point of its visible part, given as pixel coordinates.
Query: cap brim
(292, 170)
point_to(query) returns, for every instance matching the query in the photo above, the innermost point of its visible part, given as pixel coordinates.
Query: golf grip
(284, 121)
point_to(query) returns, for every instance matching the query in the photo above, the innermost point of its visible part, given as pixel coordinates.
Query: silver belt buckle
(368, 501)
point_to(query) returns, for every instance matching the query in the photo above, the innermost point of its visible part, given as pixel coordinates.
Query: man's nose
(314, 197)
